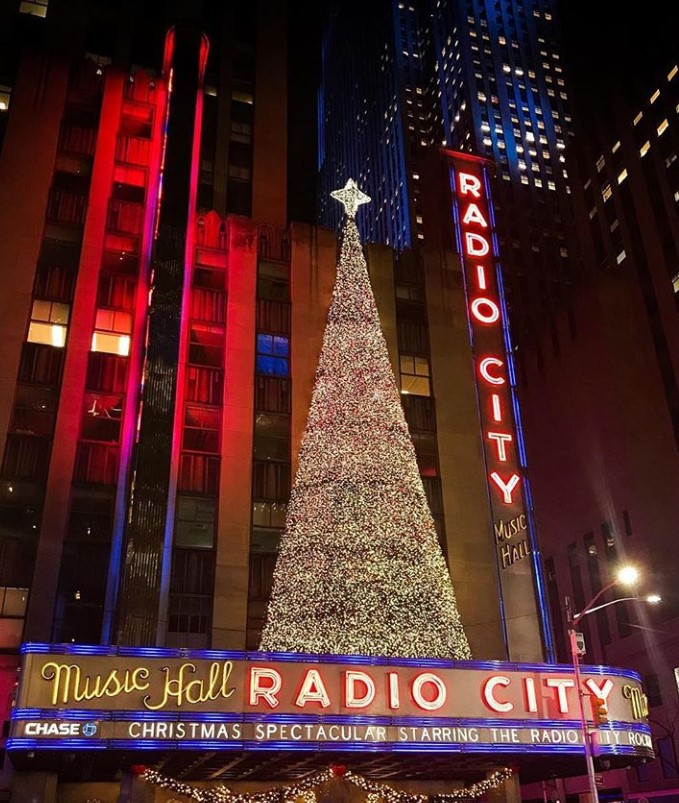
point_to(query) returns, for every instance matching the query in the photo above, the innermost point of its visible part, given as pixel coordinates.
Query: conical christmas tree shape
(360, 569)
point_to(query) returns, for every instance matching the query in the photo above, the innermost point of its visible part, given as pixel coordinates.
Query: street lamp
(626, 575)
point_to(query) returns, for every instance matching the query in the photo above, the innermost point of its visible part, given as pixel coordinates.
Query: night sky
(608, 47)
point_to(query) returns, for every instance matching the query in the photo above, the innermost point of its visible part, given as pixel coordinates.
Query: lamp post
(627, 575)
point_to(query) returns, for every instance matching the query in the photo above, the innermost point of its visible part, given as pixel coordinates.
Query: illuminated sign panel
(122, 698)
(527, 632)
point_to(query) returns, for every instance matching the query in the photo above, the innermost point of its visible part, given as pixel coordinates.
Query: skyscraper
(482, 77)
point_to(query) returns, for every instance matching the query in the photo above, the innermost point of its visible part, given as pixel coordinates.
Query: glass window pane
(47, 333)
(417, 385)
(112, 344)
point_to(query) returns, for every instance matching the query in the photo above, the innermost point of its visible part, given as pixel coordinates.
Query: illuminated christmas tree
(360, 570)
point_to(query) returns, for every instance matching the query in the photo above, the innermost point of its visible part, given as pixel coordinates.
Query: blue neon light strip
(302, 658)
(540, 588)
(396, 747)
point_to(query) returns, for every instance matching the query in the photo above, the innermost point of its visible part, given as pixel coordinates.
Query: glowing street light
(626, 576)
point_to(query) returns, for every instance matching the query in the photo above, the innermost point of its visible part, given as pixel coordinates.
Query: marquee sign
(513, 530)
(82, 697)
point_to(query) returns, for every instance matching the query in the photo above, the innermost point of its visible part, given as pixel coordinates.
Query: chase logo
(89, 729)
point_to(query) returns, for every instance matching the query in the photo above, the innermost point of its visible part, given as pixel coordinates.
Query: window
(606, 192)
(49, 323)
(199, 473)
(662, 127)
(38, 8)
(272, 437)
(206, 346)
(271, 481)
(653, 691)
(5, 96)
(272, 394)
(101, 417)
(273, 355)
(415, 375)
(40, 365)
(191, 577)
(106, 372)
(204, 385)
(112, 332)
(201, 429)
(268, 514)
(25, 457)
(644, 148)
(273, 280)
(622, 176)
(668, 760)
(195, 522)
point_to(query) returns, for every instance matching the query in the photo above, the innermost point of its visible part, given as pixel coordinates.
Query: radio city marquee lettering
(503, 449)
(149, 699)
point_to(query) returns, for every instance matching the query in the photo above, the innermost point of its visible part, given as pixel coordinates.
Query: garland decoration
(376, 792)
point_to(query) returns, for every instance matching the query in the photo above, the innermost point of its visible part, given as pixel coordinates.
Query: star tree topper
(350, 197)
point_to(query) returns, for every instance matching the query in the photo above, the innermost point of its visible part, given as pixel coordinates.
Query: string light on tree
(376, 792)
(360, 570)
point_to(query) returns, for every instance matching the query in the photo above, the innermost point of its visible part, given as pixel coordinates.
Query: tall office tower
(615, 392)
(483, 77)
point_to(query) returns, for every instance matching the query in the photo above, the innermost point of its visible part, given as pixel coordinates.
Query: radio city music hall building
(158, 354)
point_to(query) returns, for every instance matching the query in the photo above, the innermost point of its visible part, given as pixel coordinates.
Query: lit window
(551, 185)
(38, 8)
(49, 323)
(592, 212)
(622, 176)
(645, 148)
(242, 97)
(621, 256)
(675, 283)
(273, 355)
(655, 96)
(662, 127)
(672, 73)
(112, 332)
(211, 91)
(615, 147)
(637, 119)
(607, 192)
(415, 375)
(524, 179)
(5, 95)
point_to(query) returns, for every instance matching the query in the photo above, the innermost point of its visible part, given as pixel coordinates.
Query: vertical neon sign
(520, 576)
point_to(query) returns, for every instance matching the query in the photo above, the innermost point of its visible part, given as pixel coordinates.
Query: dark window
(17, 556)
(125, 217)
(595, 585)
(273, 316)
(82, 588)
(116, 291)
(101, 417)
(54, 282)
(420, 412)
(425, 450)
(208, 306)
(199, 473)
(652, 689)
(34, 411)
(26, 457)
(272, 394)
(106, 372)
(201, 429)
(204, 385)
(191, 584)
(206, 346)
(273, 280)
(271, 480)
(667, 757)
(261, 576)
(96, 463)
(195, 522)
(272, 437)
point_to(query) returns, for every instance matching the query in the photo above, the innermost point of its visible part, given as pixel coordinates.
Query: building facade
(613, 389)
(161, 331)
